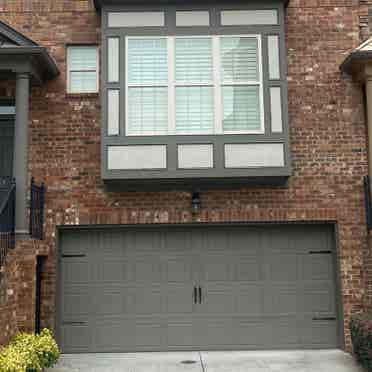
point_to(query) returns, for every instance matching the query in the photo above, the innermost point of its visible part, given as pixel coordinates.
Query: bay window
(194, 95)
(194, 85)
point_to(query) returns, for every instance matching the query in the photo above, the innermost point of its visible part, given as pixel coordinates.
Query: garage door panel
(76, 242)
(213, 332)
(319, 298)
(76, 271)
(245, 244)
(177, 243)
(216, 241)
(79, 303)
(284, 331)
(281, 299)
(251, 333)
(218, 299)
(110, 303)
(216, 269)
(113, 335)
(149, 333)
(76, 338)
(283, 267)
(179, 299)
(146, 301)
(144, 243)
(179, 270)
(113, 271)
(317, 267)
(320, 334)
(276, 243)
(180, 333)
(110, 246)
(145, 270)
(248, 270)
(250, 299)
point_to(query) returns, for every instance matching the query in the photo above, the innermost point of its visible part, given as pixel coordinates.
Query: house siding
(327, 136)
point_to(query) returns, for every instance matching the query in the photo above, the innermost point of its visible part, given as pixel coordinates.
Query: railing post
(37, 196)
(42, 204)
(367, 201)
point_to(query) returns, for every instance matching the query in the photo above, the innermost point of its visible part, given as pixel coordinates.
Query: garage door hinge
(320, 252)
(73, 255)
(329, 318)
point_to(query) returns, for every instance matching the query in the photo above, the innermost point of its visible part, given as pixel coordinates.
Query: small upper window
(82, 69)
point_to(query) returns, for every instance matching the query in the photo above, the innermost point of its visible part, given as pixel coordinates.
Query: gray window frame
(218, 172)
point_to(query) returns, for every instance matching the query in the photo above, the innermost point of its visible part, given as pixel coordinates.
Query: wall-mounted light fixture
(196, 202)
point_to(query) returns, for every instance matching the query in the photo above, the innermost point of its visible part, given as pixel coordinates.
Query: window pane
(82, 58)
(194, 109)
(113, 59)
(147, 61)
(83, 82)
(274, 65)
(194, 60)
(239, 59)
(147, 110)
(113, 112)
(241, 108)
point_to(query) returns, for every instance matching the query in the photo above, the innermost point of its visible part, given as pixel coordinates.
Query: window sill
(82, 95)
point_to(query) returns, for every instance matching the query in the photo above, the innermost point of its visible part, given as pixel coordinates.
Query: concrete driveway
(236, 361)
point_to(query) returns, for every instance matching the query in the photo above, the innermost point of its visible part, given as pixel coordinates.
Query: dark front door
(6, 146)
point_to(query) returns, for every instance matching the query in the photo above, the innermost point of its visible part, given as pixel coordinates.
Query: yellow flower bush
(29, 353)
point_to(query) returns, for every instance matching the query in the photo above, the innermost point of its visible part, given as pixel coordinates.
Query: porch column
(20, 167)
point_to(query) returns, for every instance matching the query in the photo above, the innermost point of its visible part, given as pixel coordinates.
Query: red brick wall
(8, 299)
(327, 132)
(17, 291)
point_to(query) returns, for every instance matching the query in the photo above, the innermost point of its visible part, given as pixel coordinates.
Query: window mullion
(171, 86)
(218, 110)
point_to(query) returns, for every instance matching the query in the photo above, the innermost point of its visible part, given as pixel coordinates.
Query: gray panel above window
(135, 19)
(249, 17)
(194, 81)
(192, 18)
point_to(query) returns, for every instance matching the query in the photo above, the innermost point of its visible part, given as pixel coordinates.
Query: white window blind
(82, 65)
(147, 86)
(194, 85)
(240, 71)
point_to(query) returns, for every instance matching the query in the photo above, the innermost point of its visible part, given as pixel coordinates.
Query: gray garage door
(197, 288)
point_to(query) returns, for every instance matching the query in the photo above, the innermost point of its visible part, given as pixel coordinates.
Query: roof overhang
(19, 54)
(357, 60)
(100, 3)
(33, 60)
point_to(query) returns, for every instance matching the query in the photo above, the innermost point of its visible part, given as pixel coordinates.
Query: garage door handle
(195, 295)
(74, 323)
(200, 295)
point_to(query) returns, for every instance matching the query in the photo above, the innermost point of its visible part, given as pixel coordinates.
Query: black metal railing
(367, 201)
(7, 216)
(37, 199)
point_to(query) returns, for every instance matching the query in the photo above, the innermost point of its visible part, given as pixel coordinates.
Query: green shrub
(361, 335)
(29, 353)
